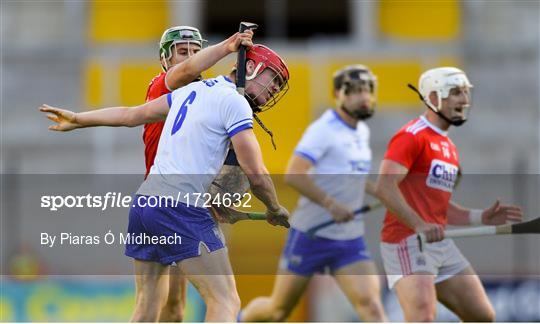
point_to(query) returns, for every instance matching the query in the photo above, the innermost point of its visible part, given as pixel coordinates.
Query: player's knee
(422, 315)
(427, 317)
(369, 306)
(226, 301)
(422, 311)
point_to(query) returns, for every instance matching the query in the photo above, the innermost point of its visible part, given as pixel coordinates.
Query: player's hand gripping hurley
(364, 209)
(241, 64)
(528, 227)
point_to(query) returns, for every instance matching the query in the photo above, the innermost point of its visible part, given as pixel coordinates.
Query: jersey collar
(338, 117)
(229, 83)
(435, 128)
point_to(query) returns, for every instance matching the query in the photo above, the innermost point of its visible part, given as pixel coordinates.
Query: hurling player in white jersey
(201, 120)
(329, 169)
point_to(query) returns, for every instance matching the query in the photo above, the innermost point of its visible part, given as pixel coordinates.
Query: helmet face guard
(265, 58)
(354, 78)
(442, 81)
(178, 35)
(274, 98)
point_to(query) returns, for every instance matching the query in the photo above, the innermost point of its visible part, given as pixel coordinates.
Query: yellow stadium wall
(134, 80)
(127, 21)
(292, 114)
(420, 20)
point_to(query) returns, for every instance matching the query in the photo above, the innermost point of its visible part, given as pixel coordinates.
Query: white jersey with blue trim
(341, 159)
(195, 139)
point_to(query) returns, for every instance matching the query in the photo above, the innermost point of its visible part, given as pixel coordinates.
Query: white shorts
(442, 259)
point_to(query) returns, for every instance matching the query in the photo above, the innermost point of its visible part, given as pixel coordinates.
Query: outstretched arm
(187, 71)
(67, 120)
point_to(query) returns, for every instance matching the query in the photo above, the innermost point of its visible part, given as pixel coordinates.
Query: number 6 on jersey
(179, 120)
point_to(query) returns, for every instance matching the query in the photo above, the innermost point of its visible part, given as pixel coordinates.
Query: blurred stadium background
(99, 53)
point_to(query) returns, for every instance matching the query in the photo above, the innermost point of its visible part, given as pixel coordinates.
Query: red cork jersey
(432, 160)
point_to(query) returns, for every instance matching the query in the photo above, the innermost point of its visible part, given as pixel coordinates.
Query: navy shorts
(305, 255)
(195, 227)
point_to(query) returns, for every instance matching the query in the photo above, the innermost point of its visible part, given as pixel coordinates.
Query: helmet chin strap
(358, 115)
(349, 113)
(256, 110)
(269, 132)
(252, 103)
(456, 123)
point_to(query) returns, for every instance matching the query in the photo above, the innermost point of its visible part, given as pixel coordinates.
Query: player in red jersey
(416, 180)
(177, 49)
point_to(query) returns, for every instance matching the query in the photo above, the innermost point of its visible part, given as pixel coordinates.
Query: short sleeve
(403, 149)
(313, 144)
(236, 114)
(171, 96)
(169, 99)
